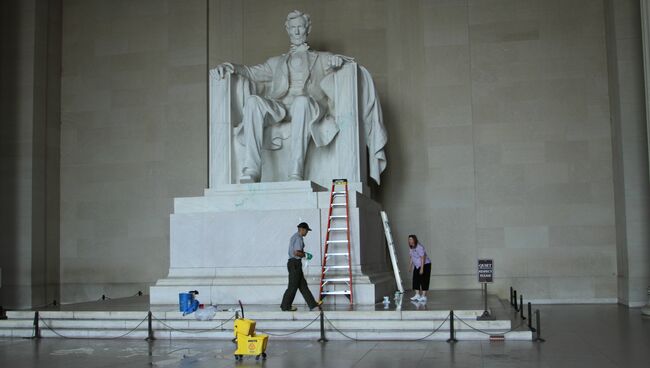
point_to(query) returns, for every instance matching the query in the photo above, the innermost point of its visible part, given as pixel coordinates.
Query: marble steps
(376, 325)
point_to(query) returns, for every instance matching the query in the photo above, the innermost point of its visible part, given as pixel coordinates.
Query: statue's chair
(344, 157)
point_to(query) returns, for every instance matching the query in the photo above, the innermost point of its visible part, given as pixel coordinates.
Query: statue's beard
(298, 40)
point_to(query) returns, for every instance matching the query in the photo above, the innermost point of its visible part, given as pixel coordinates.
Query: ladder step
(338, 216)
(337, 241)
(338, 204)
(337, 267)
(338, 193)
(337, 279)
(336, 254)
(338, 229)
(342, 292)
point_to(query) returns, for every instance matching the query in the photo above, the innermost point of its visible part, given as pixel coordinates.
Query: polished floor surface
(592, 336)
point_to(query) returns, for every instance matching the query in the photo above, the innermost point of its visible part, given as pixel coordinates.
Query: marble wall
(134, 136)
(507, 154)
(498, 113)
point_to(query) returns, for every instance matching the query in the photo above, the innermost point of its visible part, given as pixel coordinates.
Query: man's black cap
(303, 225)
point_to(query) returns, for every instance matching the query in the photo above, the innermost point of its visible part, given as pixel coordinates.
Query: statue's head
(298, 25)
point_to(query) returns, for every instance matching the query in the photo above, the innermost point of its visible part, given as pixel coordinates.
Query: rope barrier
(99, 338)
(220, 326)
(418, 339)
(47, 325)
(486, 332)
(194, 331)
(290, 333)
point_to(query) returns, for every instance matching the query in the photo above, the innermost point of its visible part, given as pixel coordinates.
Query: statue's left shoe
(295, 177)
(249, 176)
(245, 179)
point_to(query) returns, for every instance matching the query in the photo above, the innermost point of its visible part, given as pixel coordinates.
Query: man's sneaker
(318, 305)
(291, 309)
(415, 297)
(422, 299)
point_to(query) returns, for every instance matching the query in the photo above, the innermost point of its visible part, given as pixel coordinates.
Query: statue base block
(232, 244)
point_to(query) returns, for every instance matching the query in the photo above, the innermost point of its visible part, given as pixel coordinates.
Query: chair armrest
(227, 97)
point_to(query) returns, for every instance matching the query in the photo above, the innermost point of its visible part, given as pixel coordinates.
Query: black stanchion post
(521, 307)
(150, 336)
(538, 328)
(234, 339)
(322, 327)
(3, 313)
(37, 327)
(486, 316)
(515, 300)
(452, 331)
(530, 317)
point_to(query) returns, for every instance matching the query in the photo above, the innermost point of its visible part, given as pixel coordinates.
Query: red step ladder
(336, 273)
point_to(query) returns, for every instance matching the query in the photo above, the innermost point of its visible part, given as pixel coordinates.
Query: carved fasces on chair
(357, 111)
(342, 92)
(227, 97)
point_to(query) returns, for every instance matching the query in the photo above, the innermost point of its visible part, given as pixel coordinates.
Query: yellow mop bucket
(248, 342)
(251, 345)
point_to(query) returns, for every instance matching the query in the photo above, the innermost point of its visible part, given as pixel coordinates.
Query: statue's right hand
(223, 69)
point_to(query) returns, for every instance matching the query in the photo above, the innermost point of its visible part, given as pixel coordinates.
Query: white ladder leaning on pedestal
(391, 251)
(335, 264)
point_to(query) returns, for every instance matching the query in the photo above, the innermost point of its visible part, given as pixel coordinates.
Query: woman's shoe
(415, 297)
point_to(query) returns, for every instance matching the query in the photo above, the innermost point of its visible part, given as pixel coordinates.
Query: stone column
(30, 64)
(645, 34)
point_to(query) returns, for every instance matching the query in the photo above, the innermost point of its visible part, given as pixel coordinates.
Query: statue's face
(297, 30)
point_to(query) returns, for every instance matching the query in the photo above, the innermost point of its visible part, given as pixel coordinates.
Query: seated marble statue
(299, 89)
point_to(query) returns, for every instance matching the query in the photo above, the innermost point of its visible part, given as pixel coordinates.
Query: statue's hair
(298, 14)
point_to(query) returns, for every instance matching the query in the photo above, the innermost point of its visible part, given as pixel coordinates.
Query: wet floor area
(576, 336)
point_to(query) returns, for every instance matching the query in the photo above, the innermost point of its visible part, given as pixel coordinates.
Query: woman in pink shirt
(420, 265)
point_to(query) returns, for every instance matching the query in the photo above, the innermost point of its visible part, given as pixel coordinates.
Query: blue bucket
(185, 301)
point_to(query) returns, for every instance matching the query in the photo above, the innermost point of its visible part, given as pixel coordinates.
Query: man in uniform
(296, 277)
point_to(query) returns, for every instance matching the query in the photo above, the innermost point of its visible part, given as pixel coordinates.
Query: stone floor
(592, 336)
(437, 300)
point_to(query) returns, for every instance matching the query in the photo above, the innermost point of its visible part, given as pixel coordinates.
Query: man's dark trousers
(296, 281)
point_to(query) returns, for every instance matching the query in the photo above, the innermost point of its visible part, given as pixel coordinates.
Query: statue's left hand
(222, 70)
(335, 62)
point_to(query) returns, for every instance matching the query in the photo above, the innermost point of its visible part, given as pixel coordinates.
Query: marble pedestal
(231, 244)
